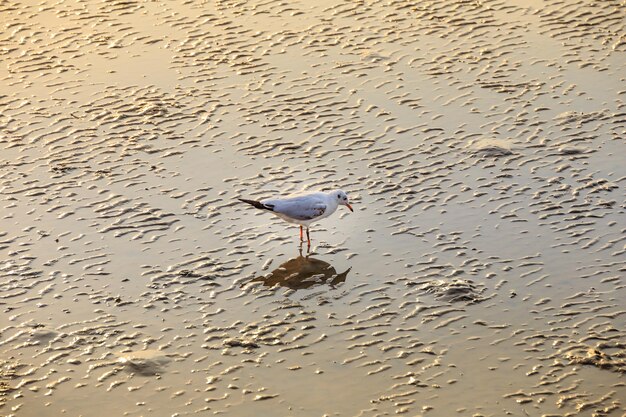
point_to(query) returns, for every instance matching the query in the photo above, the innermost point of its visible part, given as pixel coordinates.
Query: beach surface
(482, 144)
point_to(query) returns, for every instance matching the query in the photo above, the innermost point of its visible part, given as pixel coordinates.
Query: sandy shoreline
(482, 272)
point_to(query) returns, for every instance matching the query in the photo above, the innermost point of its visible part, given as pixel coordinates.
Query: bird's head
(342, 198)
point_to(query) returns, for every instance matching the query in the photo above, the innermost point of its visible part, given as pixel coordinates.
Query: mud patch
(7, 375)
(586, 355)
(457, 290)
(145, 362)
(490, 148)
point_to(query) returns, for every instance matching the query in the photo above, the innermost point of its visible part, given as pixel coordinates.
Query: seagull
(303, 209)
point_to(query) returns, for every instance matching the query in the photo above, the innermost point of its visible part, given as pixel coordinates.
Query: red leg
(301, 237)
(308, 238)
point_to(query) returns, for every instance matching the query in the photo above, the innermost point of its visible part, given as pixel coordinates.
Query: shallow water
(481, 273)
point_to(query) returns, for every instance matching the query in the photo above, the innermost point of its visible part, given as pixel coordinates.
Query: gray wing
(297, 208)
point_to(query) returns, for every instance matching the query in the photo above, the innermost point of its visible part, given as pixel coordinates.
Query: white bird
(303, 209)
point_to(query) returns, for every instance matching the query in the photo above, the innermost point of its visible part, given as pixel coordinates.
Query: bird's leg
(308, 238)
(301, 237)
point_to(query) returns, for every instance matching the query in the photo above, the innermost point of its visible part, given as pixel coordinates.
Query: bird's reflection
(303, 272)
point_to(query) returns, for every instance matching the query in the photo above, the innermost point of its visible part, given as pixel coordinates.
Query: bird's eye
(338, 195)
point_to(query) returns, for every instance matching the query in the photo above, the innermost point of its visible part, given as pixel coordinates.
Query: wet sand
(482, 272)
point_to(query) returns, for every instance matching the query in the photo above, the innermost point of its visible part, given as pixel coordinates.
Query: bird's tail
(256, 204)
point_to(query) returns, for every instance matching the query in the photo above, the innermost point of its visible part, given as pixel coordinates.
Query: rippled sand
(482, 272)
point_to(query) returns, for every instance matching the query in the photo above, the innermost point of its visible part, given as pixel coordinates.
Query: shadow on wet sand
(303, 272)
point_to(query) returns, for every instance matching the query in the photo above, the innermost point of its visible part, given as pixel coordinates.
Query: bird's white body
(303, 209)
